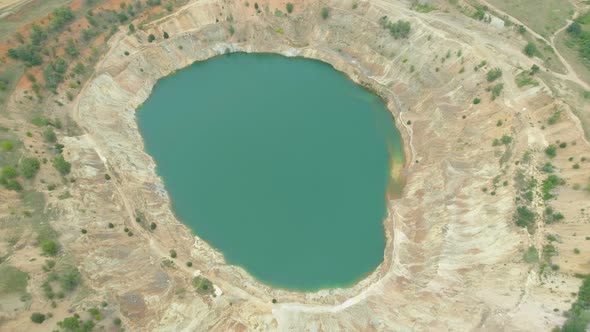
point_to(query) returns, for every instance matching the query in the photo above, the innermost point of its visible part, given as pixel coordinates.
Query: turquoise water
(282, 164)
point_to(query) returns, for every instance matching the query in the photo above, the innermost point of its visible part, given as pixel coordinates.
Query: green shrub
(202, 285)
(49, 135)
(151, 38)
(7, 145)
(37, 317)
(524, 79)
(61, 165)
(496, 90)
(153, 226)
(548, 168)
(554, 118)
(494, 74)
(9, 172)
(29, 167)
(289, 7)
(49, 247)
(325, 12)
(530, 50)
(54, 73)
(531, 255)
(71, 49)
(11, 184)
(551, 151)
(525, 217)
(476, 101)
(95, 313)
(70, 280)
(173, 253)
(579, 313)
(61, 16)
(399, 29)
(506, 139)
(549, 184)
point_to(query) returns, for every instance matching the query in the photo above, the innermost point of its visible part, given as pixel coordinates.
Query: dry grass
(543, 16)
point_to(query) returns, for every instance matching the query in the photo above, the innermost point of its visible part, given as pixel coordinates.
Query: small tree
(574, 29)
(166, 35)
(131, 28)
(325, 12)
(289, 7)
(173, 253)
(151, 38)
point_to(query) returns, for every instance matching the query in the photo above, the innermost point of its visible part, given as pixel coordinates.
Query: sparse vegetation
(497, 90)
(203, 285)
(531, 255)
(524, 79)
(553, 119)
(579, 313)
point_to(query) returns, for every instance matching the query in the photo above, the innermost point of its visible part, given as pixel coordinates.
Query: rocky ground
(454, 255)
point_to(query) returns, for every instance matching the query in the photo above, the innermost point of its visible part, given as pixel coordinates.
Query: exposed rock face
(453, 255)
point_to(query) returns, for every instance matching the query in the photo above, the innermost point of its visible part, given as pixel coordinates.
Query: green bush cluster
(549, 184)
(399, 29)
(61, 165)
(525, 218)
(493, 74)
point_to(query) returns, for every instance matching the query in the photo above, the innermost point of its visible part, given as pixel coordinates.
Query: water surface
(282, 164)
